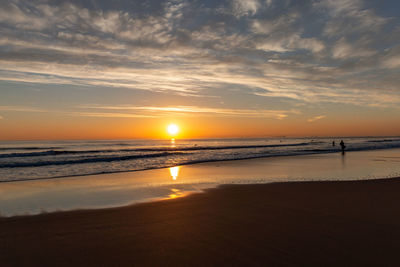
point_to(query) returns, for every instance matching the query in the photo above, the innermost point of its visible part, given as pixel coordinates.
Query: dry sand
(307, 223)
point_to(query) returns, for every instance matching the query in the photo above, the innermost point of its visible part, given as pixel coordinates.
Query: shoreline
(318, 222)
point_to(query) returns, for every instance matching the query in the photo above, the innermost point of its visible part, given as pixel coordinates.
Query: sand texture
(308, 223)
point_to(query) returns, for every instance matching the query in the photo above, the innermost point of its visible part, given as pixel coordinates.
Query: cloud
(109, 115)
(391, 60)
(1, 117)
(247, 7)
(196, 49)
(349, 17)
(21, 109)
(152, 111)
(125, 111)
(267, 26)
(392, 63)
(316, 118)
(345, 50)
(11, 13)
(289, 43)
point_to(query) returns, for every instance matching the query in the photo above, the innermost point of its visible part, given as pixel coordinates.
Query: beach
(199, 133)
(297, 223)
(325, 209)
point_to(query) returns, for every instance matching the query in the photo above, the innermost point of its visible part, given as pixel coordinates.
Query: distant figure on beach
(333, 143)
(342, 146)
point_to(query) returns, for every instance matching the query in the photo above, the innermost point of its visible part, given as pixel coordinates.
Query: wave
(383, 140)
(53, 153)
(86, 160)
(29, 148)
(158, 149)
(34, 154)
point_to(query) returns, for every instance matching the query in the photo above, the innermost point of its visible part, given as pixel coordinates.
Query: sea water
(31, 160)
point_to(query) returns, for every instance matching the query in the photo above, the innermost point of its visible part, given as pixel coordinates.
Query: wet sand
(303, 223)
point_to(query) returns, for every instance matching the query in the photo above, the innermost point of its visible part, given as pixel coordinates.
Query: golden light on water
(173, 129)
(174, 171)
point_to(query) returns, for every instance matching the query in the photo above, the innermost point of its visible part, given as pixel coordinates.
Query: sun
(173, 129)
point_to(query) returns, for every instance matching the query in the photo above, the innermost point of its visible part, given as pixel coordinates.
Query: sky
(218, 68)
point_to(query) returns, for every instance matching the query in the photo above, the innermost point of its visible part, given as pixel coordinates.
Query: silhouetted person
(333, 143)
(342, 146)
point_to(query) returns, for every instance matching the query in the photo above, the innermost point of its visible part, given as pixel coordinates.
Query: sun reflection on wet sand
(174, 171)
(176, 193)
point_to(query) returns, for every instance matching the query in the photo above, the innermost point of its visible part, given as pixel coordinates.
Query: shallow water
(118, 189)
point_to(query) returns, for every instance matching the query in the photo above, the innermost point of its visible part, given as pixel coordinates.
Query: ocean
(33, 160)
